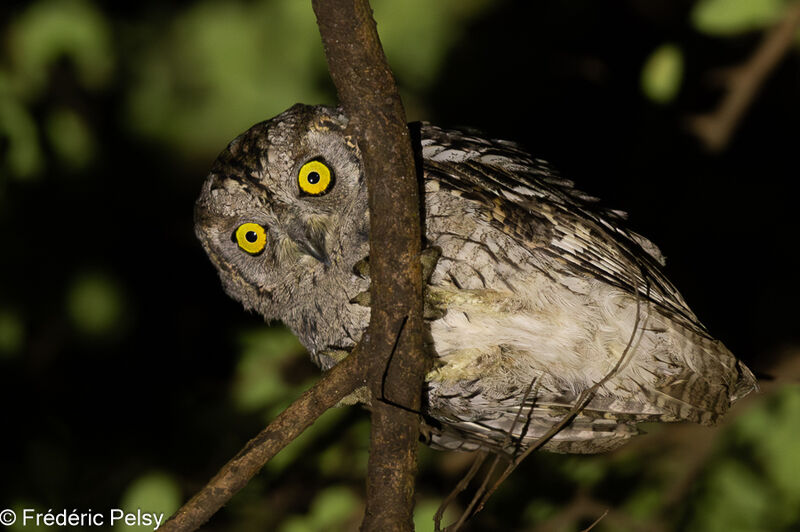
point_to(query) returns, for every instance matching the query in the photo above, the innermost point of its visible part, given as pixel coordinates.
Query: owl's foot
(360, 395)
(362, 268)
(429, 257)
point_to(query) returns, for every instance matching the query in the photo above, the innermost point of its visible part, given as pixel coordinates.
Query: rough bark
(368, 93)
(396, 365)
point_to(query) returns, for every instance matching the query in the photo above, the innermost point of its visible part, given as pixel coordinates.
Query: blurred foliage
(12, 333)
(70, 138)
(662, 73)
(332, 509)
(731, 17)
(442, 26)
(109, 117)
(50, 30)
(764, 491)
(156, 493)
(95, 304)
(425, 511)
(229, 64)
(23, 156)
(259, 380)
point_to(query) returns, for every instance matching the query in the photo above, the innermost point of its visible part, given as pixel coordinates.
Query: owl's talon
(361, 268)
(429, 258)
(363, 299)
(433, 313)
(359, 396)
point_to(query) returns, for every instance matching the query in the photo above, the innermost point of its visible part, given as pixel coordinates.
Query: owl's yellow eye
(315, 178)
(251, 237)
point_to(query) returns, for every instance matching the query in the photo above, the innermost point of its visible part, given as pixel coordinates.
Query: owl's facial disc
(286, 201)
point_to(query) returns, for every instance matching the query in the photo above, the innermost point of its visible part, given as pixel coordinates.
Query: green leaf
(729, 17)
(662, 73)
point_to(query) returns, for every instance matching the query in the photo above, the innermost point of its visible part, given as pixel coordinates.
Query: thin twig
(534, 385)
(460, 487)
(596, 521)
(743, 83)
(470, 510)
(584, 506)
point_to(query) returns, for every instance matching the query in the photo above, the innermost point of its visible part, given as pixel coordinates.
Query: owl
(536, 294)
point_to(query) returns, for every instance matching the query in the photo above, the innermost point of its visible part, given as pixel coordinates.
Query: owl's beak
(315, 248)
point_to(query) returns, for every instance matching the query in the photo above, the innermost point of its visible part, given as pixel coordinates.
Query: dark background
(127, 377)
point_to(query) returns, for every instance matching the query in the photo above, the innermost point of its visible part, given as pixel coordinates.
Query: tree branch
(743, 83)
(336, 383)
(396, 367)
(368, 94)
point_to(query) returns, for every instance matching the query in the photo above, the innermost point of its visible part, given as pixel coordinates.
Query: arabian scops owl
(539, 287)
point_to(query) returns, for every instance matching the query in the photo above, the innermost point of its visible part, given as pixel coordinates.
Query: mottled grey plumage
(538, 288)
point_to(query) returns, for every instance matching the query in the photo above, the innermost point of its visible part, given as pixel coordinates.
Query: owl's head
(283, 217)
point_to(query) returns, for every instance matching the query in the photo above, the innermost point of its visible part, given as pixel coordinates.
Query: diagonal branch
(368, 93)
(743, 83)
(341, 380)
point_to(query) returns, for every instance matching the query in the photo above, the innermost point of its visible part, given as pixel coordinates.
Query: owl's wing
(524, 198)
